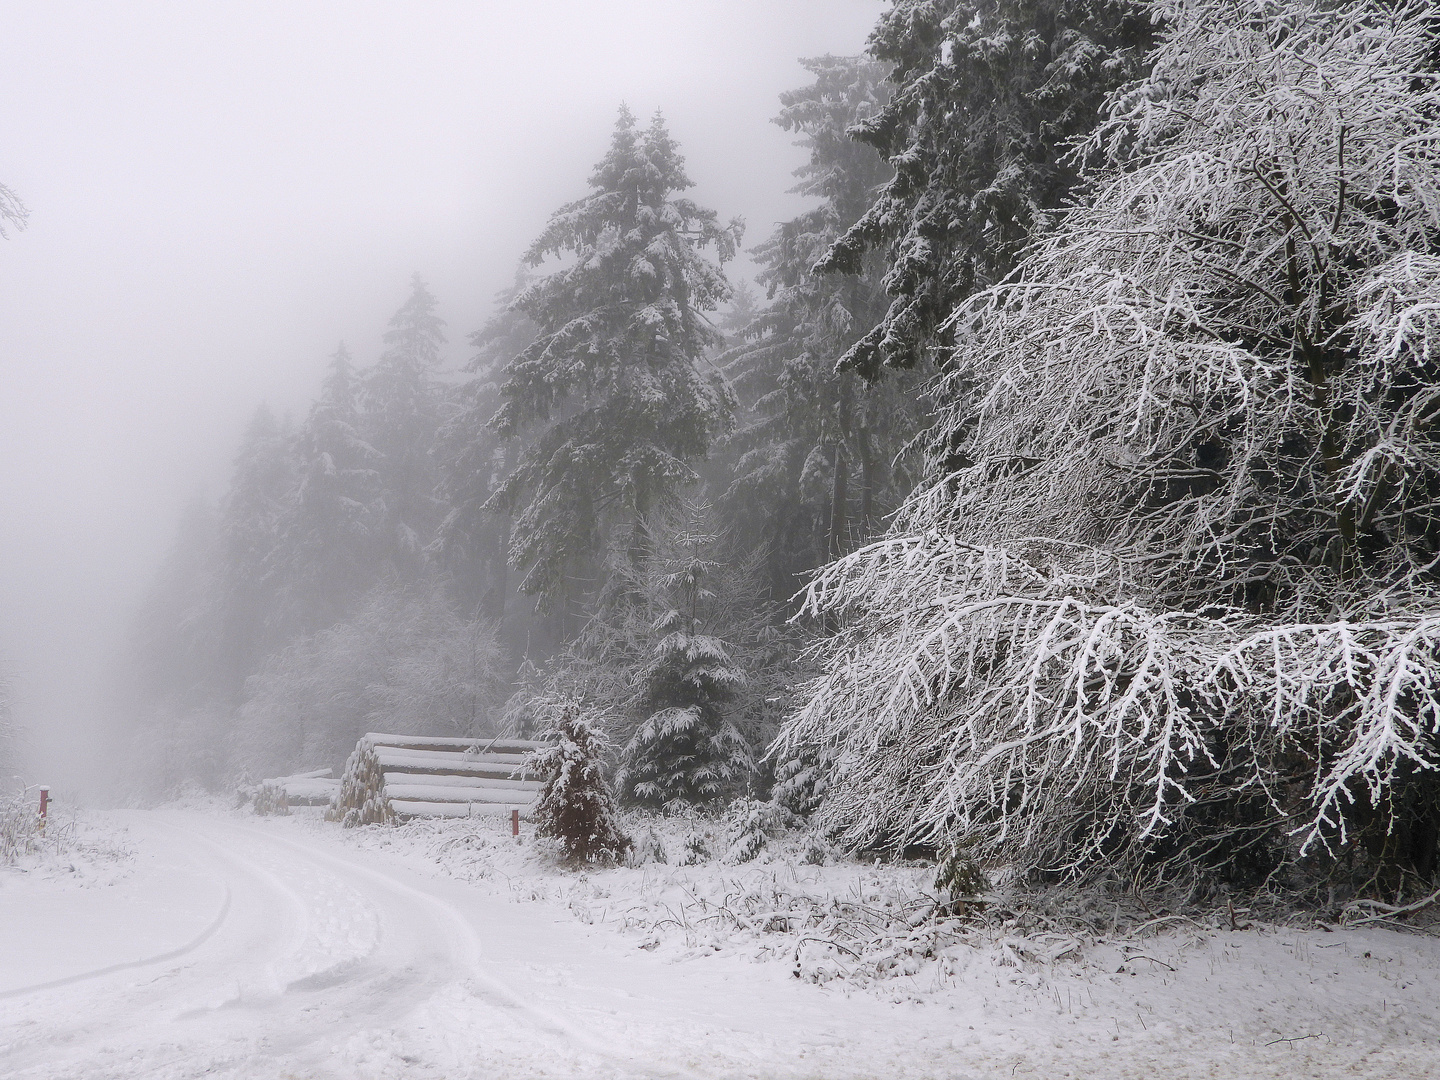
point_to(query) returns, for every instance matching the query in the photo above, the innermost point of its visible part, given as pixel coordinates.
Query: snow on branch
(1176, 548)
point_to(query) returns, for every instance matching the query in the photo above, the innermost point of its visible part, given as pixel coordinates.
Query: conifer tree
(815, 444)
(988, 96)
(575, 805)
(249, 534)
(615, 380)
(686, 749)
(400, 400)
(326, 554)
(473, 459)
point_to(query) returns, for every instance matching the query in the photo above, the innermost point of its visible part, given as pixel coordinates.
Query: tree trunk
(867, 480)
(838, 496)
(498, 593)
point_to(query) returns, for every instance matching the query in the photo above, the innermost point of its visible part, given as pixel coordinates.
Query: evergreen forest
(1061, 499)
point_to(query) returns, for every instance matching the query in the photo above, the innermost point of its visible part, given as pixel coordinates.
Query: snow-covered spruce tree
(686, 750)
(326, 553)
(987, 96)
(615, 380)
(814, 446)
(473, 459)
(400, 407)
(250, 515)
(575, 805)
(1169, 598)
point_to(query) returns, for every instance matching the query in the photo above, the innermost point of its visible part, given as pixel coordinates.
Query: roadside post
(515, 823)
(44, 806)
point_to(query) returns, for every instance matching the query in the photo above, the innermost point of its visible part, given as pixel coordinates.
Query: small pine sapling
(575, 805)
(649, 848)
(696, 851)
(958, 876)
(750, 824)
(687, 750)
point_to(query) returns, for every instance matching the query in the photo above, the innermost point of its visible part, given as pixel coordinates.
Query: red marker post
(515, 823)
(44, 806)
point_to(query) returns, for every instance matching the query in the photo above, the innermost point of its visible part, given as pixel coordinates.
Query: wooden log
(408, 808)
(472, 783)
(450, 745)
(426, 793)
(412, 761)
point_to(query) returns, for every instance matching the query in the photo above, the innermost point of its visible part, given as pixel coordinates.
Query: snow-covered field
(199, 942)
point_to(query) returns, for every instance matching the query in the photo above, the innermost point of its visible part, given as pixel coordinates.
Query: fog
(220, 193)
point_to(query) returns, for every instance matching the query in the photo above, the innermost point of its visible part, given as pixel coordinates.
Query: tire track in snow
(492, 991)
(160, 958)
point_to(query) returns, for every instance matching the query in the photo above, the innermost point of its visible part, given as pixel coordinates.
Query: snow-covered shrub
(19, 826)
(696, 850)
(270, 799)
(1169, 595)
(801, 781)
(361, 799)
(649, 848)
(749, 825)
(575, 805)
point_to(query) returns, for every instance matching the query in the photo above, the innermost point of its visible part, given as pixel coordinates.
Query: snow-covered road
(263, 948)
(252, 950)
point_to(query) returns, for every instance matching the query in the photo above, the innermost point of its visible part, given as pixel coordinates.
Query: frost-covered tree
(400, 405)
(473, 459)
(8, 732)
(250, 519)
(616, 380)
(686, 749)
(1169, 596)
(326, 552)
(12, 210)
(575, 805)
(178, 684)
(815, 445)
(988, 95)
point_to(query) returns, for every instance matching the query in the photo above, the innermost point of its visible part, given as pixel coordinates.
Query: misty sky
(219, 192)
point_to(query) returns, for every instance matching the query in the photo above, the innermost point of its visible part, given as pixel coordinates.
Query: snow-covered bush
(696, 850)
(575, 805)
(361, 799)
(749, 825)
(271, 800)
(19, 826)
(1169, 595)
(649, 848)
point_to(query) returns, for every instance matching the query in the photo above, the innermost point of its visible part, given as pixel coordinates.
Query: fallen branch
(1385, 911)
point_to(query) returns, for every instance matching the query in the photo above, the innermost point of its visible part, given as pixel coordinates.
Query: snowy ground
(192, 942)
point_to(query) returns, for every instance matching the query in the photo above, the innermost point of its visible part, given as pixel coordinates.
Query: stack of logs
(393, 777)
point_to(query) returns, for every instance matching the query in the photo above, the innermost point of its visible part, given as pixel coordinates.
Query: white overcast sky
(219, 192)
